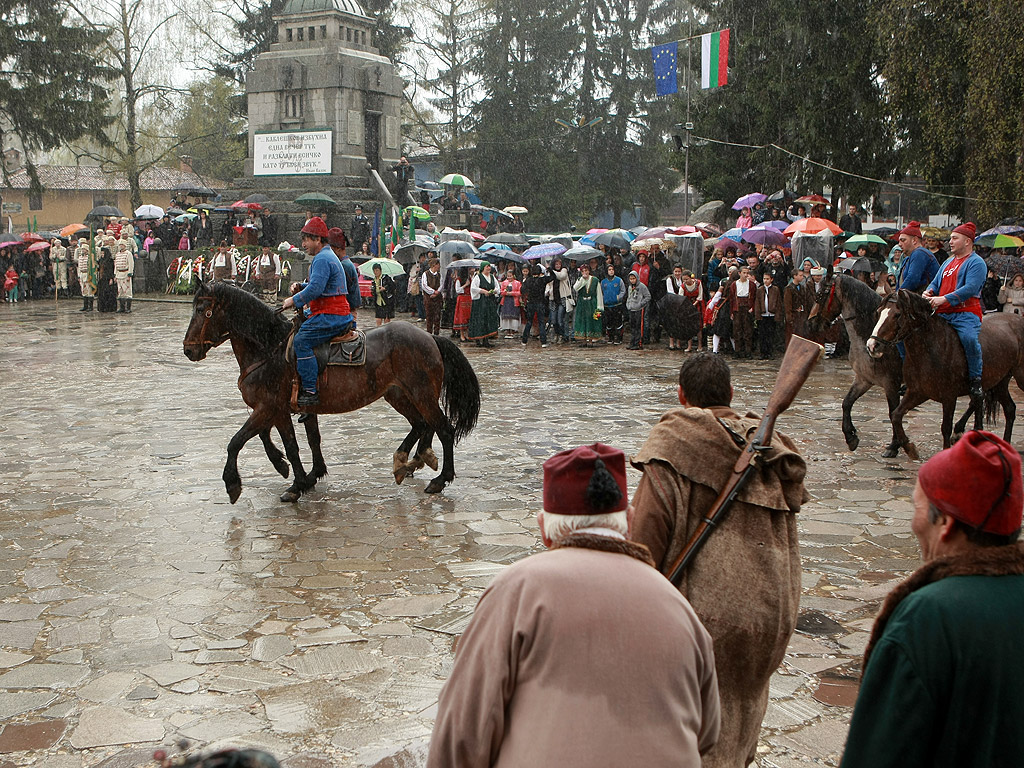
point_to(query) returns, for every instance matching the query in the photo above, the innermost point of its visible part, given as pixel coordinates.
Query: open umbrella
(861, 264)
(460, 247)
(1004, 229)
(748, 201)
(515, 209)
(40, 246)
(508, 238)
(781, 196)
(774, 224)
(460, 263)
(544, 251)
(884, 231)
(387, 267)
(858, 240)
(457, 180)
(238, 205)
(582, 253)
(1000, 241)
(31, 237)
(72, 229)
(422, 214)
(762, 235)
(413, 248)
(614, 238)
(736, 233)
(315, 201)
(936, 232)
(173, 212)
(257, 197)
(814, 200)
(488, 213)
(201, 207)
(727, 242)
(1005, 264)
(149, 212)
(9, 237)
(812, 226)
(596, 231)
(103, 210)
(655, 233)
(181, 219)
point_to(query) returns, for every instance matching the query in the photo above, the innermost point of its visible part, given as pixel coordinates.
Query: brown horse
(425, 378)
(857, 304)
(935, 366)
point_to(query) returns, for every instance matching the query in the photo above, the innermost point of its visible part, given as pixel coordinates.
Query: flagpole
(688, 125)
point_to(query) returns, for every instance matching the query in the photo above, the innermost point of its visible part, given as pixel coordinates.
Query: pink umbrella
(596, 231)
(38, 246)
(477, 236)
(654, 233)
(684, 230)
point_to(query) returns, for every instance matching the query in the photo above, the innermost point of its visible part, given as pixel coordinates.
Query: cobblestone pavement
(140, 607)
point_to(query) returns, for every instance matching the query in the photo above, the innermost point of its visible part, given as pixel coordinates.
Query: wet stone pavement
(140, 608)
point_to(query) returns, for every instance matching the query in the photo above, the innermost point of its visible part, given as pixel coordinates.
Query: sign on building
(292, 153)
(12, 208)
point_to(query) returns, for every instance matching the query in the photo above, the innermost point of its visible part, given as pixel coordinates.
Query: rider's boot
(977, 400)
(307, 399)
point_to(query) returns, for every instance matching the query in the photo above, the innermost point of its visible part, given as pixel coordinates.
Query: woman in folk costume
(383, 291)
(510, 303)
(589, 306)
(694, 291)
(483, 317)
(463, 301)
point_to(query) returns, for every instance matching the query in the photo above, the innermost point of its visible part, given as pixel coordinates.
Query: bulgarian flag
(714, 59)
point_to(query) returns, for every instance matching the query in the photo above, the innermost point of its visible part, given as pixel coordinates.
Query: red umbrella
(477, 236)
(814, 200)
(31, 237)
(244, 206)
(38, 246)
(812, 226)
(684, 230)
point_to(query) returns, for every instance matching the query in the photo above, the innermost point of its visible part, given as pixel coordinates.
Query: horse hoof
(290, 496)
(853, 442)
(911, 450)
(435, 486)
(234, 491)
(890, 453)
(429, 458)
(282, 469)
(400, 474)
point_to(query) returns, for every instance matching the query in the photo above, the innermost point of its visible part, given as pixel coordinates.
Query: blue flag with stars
(665, 72)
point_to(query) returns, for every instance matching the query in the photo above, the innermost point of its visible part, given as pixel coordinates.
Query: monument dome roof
(317, 6)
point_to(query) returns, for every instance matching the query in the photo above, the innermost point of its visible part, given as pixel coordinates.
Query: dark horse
(842, 295)
(935, 367)
(418, 374)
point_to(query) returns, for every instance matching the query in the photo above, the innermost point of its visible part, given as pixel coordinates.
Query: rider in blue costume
(918, 266)
(326, 294)
(336, 239)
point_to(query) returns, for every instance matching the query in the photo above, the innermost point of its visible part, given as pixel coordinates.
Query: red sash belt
(972, 305)
(330, 305)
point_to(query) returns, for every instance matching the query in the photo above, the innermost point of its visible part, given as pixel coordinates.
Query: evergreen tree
(211, 129)
(51, 79)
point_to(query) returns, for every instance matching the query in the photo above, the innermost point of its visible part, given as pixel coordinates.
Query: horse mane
(864, 301)
(250, 317)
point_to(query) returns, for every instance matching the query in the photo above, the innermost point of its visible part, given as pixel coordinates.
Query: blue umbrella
(749, 201)
(735, 234)
(495, 247)
(544, 250)
(588, 240)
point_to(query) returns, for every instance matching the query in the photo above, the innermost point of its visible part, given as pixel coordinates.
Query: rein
(203, 341)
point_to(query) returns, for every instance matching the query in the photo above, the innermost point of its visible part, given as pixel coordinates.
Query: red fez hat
(589, 480)
(336, 236)
(913, 229)
(977, 481)
(967, 229)
(316, 228)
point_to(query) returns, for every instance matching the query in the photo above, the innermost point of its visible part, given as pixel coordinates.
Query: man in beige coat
(745, 583)
(583, 655)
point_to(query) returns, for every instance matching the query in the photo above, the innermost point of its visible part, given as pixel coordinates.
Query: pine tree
(51, 79)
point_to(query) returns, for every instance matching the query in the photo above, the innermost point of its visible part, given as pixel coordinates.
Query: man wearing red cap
(583, 655)
(918, 265)
(745, 583)
(325, 293)
(336, 239)
(943, 671)
(955, 296)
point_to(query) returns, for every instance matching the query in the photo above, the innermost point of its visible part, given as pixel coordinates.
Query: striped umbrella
(457, 180)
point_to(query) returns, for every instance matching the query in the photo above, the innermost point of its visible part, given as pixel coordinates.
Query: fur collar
(607, 544)
(983, 561)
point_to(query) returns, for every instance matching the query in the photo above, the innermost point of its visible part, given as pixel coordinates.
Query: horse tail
(991, 406)
(460, 389)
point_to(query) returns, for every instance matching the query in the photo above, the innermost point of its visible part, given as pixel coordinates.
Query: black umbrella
(257, 197)
(192, 188)
(782, 195)
(680, 318)
(103, 210)
(861, 264)
(887, 232)
(613, 239)
(1005, 264)
(582, 253)
(9, 237)
(507, 238)
(173, 212)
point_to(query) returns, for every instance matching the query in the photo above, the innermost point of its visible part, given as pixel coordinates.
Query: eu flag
(665, 72)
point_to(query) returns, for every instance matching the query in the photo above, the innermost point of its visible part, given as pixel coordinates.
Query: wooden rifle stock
(801, 356)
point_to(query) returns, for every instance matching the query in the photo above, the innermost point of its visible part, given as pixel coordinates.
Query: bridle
(203, 341)
(894, 341)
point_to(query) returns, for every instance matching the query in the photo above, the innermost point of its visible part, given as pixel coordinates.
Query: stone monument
(323, 103)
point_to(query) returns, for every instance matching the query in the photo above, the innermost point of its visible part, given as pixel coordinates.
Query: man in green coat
(943, 672)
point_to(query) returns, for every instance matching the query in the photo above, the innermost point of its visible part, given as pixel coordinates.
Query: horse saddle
(348, 349)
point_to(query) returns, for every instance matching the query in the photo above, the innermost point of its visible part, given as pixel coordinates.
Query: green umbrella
(387, 267)
(858, 240)
(457, 180)
(999, 241)
(315, 201)
(420, 213)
